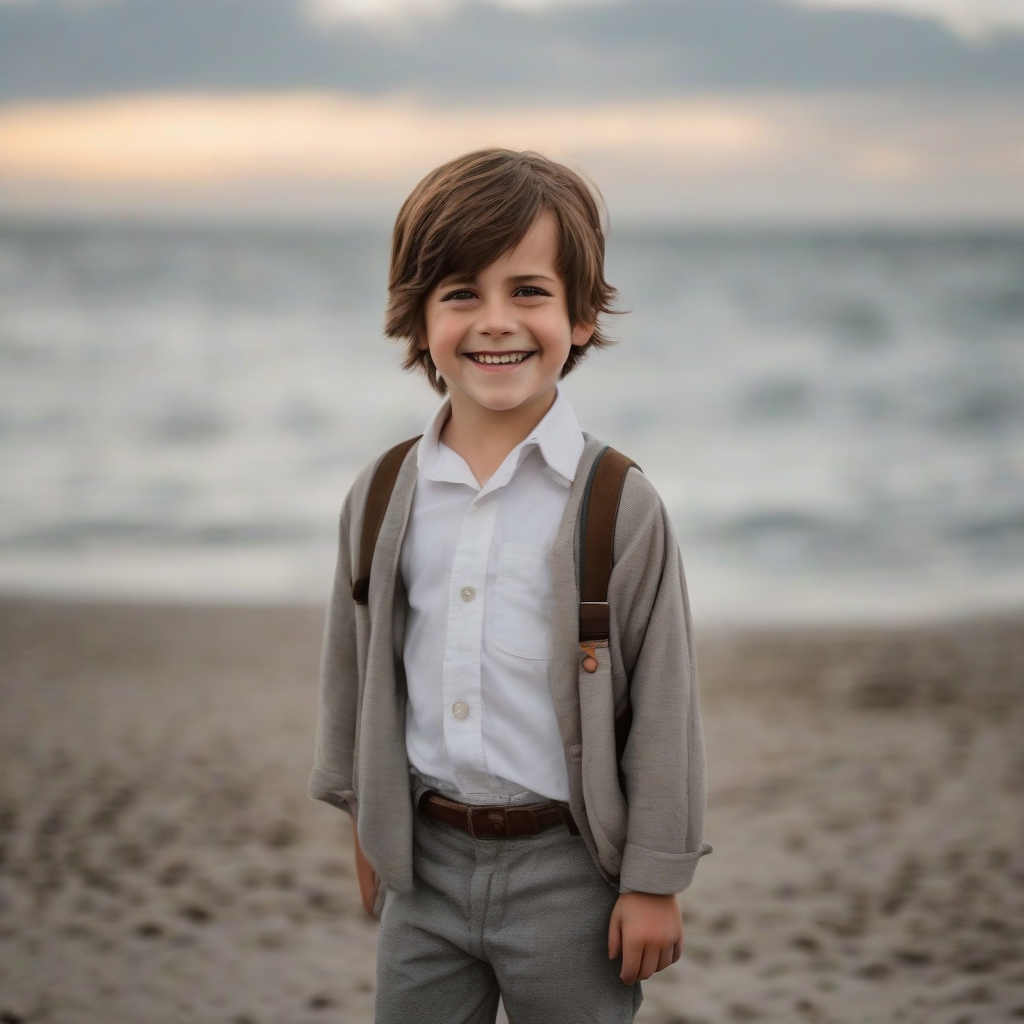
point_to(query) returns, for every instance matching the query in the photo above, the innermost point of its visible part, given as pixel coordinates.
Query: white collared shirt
(476, 563)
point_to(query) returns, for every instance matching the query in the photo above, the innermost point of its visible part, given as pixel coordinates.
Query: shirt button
(576, 751)
(460, 709)
(468, 593)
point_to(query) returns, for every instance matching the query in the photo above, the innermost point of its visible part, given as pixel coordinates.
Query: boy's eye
(529, 291)
(459, 293)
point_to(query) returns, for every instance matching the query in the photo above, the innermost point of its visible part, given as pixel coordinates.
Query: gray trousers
(524, 917)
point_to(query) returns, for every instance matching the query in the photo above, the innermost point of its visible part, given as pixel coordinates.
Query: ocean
(834, 418)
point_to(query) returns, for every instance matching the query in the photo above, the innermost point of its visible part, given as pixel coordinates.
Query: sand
(159, 860)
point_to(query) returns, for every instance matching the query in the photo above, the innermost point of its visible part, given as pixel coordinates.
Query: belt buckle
(488, 822)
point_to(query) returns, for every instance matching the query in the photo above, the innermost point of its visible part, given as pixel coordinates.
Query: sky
(989, 11)
(972, 14)
(688, 109)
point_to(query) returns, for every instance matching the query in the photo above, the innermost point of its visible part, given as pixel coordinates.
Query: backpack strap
(598, 513)
(377, 500)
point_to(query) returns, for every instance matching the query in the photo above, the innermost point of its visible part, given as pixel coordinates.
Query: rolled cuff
(652, 871)
(332, 789)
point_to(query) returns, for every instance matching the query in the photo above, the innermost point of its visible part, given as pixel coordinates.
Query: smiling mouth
(487, 359)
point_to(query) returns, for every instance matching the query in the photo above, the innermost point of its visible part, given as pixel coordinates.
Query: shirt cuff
(332, 789)
(651, 871)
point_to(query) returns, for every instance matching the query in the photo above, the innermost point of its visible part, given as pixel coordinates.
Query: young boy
(524, 810)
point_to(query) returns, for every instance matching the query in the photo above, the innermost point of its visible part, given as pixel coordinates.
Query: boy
(509, 840)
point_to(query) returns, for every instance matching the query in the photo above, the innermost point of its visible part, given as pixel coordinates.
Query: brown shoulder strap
(598, 513)
(381, 486)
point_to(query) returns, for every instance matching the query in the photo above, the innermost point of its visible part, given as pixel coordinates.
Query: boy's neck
(484, 437)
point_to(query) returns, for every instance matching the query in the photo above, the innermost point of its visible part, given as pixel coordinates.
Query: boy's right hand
(369, 883)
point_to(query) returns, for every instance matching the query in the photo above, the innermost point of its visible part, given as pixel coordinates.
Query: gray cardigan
(643, 819)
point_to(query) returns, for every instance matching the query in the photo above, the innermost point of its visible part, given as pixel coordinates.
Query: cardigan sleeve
(663, 767)
(332, 776)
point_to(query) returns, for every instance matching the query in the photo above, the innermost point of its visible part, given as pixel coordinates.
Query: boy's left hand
(646, 930)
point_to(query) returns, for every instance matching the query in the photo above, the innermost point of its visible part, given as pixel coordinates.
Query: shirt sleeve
(663, 766)
(332, 776)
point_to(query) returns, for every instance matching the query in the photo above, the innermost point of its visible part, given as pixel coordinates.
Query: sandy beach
(160, 862)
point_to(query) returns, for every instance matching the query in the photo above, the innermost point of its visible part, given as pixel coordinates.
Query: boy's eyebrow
(522, 278)
(454, 279)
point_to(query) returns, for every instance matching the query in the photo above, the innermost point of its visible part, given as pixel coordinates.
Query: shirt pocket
(523, 602)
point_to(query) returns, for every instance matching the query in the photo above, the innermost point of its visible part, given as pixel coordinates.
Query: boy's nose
(495, 322)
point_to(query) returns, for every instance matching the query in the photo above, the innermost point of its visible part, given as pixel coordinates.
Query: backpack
(598, 512)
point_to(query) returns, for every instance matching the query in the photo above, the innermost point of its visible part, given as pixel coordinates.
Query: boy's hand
(369, 883)
(647, 932)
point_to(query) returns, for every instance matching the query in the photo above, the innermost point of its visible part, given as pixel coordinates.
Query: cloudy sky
(718, 109)
(969, 16)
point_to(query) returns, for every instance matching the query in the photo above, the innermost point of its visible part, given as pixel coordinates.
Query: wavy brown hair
(465, 214)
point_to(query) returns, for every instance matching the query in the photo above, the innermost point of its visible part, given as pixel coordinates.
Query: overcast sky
(968, 15)
(706, 109)
(484, 53)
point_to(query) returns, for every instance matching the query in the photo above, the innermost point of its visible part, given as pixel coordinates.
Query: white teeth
(512, 357)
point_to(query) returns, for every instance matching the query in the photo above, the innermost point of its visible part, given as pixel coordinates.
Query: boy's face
(500, 339)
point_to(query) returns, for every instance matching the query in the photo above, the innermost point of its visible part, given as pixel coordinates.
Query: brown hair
(465, 214)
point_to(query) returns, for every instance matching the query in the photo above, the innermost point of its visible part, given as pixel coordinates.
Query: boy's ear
(582, 333)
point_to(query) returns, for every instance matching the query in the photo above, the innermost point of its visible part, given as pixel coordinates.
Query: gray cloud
(479, 52)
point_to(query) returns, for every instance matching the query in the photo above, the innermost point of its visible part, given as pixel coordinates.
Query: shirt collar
(558, 438)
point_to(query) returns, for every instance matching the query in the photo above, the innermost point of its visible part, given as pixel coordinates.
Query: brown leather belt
(496, 822)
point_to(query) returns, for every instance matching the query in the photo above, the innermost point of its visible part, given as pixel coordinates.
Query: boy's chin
(508, 399)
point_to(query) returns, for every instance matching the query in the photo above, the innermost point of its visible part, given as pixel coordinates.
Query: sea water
(834, 418)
